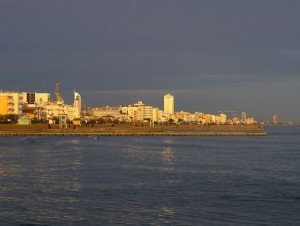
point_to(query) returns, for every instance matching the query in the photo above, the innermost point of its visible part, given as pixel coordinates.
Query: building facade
(275, 119)
(244, 117)
(140, 112)
(106, 112)
(11, 103)
(77, 105)
(169, 104)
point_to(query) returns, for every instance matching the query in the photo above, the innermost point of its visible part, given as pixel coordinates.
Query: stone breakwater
(139, 134)
(130, 130)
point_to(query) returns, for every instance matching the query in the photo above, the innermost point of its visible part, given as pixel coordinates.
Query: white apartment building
(157, 115)
(42, 98)
(37, 104)
(77, 105)
(141, 112)
(55, 108)
(146, 112)
(107, 112)
(182, 116)
(198, 117)
(132, 112)
(250, 121)
(169, 104)
(223, 118)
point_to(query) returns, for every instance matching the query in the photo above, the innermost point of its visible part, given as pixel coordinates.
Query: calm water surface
(151, 180)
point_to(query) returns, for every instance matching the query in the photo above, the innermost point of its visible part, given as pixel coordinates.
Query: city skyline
(25, 102)
(28, 106)
(211, 55)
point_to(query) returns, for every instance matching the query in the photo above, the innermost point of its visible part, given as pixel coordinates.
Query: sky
(212, 55)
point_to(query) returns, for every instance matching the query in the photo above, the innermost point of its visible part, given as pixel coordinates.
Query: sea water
(151, 180)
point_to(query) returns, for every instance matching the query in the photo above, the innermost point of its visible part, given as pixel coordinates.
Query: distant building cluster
(40, 107)
(140, 112)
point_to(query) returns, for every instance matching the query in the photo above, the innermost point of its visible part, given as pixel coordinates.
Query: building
(135, 112)
(182, 116)
(38, 105)
(192, 118)
(244, 117)
(4, 107)
(42, 98)
(53, 109)
(48, 109)
(198, 117)
(207, 118)
(140, 112)
(58, 108)
(107, 113)
(250, 121)
(77, 105)
(146, 112)
(132, 112)
(30, 98)
(223, 118)
(157, 115)
(275, 119)
(24, 120)
(11, 103)
(169, 104)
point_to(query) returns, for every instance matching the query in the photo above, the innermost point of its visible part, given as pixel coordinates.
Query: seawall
(195, 134)
(130, 130)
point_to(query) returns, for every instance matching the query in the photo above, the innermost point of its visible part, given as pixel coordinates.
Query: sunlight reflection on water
(150, 180)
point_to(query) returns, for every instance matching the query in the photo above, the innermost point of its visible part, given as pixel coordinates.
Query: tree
(171, 121)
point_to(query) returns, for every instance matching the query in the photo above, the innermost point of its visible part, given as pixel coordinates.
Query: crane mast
(59, 98)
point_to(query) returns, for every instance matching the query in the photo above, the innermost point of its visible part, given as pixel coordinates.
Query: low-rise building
(107, 112)
(140, 112)
(182, 116)
(250, 121)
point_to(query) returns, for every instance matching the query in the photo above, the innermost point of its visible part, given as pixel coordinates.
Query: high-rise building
(275, 119)
(244, 117)
(169, 104)
(77, 105)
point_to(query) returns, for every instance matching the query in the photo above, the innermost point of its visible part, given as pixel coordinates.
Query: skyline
(45, 99)
(211, 55)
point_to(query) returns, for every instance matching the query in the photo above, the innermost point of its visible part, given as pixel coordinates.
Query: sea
(144, 180)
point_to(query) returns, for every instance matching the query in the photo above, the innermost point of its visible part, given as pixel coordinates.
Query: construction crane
(59, 97)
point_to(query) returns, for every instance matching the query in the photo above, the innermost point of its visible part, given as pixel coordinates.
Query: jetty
(132, 130)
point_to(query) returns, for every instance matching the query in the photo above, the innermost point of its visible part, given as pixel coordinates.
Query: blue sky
(211, 55)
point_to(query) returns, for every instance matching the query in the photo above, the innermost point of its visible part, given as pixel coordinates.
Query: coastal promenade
(132, 130)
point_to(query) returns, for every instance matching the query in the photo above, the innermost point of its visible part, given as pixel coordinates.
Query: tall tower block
(77, 104)
(169, 104)
(275, 119)
(244, 117)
